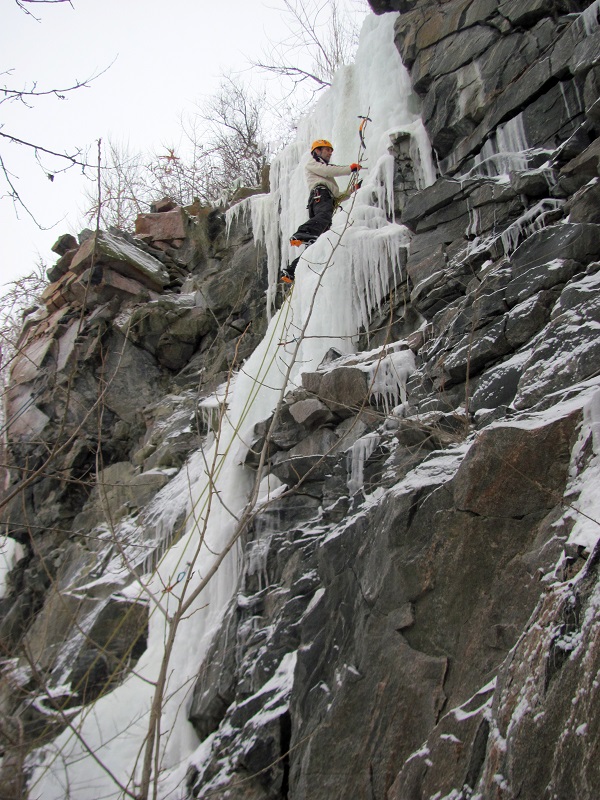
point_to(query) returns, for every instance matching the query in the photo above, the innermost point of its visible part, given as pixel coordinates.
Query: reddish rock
(61, 266)
(66, 292)
(162, 246)
(57, 301)
(113, 279)
(28, 362)
(111, 284)
(49, 291)
(122, 256)
(54, 294)
(161, 206)
(163, 226)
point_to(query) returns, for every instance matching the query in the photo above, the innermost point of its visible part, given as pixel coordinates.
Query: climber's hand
(355, 167)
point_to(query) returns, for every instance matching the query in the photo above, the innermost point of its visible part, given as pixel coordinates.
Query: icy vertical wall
(408, 600)
(342, 278)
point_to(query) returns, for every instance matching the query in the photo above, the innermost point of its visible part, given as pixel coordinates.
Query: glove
(355, 167)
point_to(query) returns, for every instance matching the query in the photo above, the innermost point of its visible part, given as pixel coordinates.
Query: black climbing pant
(321, 205)
(320, 213)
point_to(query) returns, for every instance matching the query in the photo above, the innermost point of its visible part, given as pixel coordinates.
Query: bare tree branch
(323, 37)
(11, 94)
(22, 4)
(224, 148)
(72, 157)
(296, 73)
(26, 95)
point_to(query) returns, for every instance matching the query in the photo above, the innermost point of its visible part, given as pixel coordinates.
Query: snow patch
(11, 552)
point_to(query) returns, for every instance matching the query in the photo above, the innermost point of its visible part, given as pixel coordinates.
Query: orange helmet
(320, 143)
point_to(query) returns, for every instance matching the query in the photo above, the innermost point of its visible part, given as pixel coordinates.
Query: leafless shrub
(323, 36)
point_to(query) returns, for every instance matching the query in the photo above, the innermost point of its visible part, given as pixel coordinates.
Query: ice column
(506, 150)
(358, 455)
(389, 377)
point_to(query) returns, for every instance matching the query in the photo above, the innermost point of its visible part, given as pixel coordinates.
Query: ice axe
(361, 128)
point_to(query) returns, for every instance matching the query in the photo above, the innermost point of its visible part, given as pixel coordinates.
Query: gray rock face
(419, 600)
(107, 249)
(542, 456)
(381, 630)
(104, 371)
(568, 337)
(574, 241)
(478, 64)
(311, 412)
(412, 618)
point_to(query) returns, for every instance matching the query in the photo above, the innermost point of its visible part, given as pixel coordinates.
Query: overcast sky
(162, 57)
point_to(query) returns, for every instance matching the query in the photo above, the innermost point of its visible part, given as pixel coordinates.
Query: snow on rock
(471, 553)
(583, 511)
(11, 553)
(130, 259)
(390, 376)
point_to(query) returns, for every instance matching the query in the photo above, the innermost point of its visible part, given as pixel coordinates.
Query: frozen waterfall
(340, 281)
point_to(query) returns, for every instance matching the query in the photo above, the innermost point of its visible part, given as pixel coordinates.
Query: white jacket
(318, 172)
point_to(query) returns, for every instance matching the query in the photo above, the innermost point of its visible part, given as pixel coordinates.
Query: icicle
(389, 377)
(236, 213)
(422, 162)
(473, 226)
(474, 241)
(211, 410)
(421, 155)
(265, 229)
(505, 151)
(571, 112)
(11, 552)
(384, 185)
(534, 219)
(358, 455)
(374, 263)
(511, 138)
(258, 552)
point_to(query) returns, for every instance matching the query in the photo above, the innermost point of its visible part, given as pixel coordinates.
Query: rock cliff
(415, 614)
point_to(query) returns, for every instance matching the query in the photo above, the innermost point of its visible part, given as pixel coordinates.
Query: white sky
(167, 56)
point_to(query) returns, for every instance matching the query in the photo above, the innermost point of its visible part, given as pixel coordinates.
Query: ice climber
(324, 194)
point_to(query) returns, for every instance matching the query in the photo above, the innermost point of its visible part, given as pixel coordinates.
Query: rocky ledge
(416, 614)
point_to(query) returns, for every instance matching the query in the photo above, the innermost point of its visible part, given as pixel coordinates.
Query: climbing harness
(315, 194)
